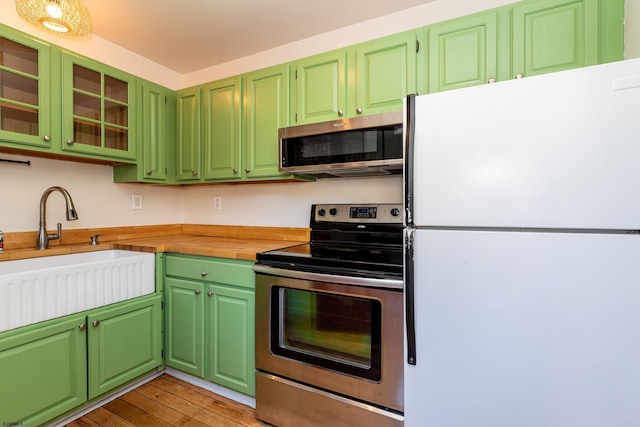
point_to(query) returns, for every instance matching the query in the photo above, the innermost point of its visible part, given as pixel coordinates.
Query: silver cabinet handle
(194, 173)
(148, 172)
(95, 322)
(47, 138)
(197, 291)
(359, 110)
(519, 76)
(210, 293)
(82, 327)
(70, 141)
(340, 113)
(204, 273)
(491, 80)
(235, 171)
(247, 170)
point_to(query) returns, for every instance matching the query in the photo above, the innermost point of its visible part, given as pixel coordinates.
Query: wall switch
(136, 201)
(217, 203)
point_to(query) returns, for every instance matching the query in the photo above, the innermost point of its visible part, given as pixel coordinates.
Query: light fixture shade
(69, 17)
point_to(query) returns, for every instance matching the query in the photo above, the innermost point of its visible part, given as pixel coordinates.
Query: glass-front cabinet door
(24, 91)
(98, 104)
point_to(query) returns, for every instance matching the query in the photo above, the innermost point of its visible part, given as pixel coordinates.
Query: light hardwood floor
(169, 401)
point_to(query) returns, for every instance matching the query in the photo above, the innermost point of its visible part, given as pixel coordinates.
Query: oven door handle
(396, 284)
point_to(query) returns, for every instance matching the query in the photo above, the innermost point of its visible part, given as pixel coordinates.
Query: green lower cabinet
(43, 372)
(231, 337)
(124, 343)
(184, 325)
(209, 319)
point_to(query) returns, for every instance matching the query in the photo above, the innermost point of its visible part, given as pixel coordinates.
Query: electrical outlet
(217, 203)
(136, 201)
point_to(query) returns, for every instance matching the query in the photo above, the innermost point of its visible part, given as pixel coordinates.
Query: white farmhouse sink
(37, 289)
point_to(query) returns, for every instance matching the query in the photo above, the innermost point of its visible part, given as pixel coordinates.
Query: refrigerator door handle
(409, 295)
(409, 135)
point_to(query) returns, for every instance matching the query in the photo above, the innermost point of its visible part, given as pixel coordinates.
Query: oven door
(342, 338)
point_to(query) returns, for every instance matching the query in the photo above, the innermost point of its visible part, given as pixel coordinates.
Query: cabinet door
(124, 343)
(222, 129)
(463, 52)
(98, 109)
(184, 326)
(25, 104)
(267, 109)
(551, 36)
(231, 338)
(321, 88)
(154, 132)
(43, 372)
(188, 136)
(385, 74)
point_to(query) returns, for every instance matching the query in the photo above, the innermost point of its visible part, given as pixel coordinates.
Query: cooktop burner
(348, 240)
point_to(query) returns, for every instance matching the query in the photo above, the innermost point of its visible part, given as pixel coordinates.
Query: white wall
(284, 204)
(99, 202)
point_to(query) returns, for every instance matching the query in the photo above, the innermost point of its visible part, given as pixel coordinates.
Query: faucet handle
(94, 239)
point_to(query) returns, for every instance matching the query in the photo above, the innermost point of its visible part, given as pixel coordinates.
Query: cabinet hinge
(161, 305)
(296, 74)
(162, 354)
(417, 46)
(165, 99)
(296, 117)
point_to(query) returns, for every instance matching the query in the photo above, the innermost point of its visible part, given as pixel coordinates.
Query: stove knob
(395, 212)
(333, 211)
(322, 212)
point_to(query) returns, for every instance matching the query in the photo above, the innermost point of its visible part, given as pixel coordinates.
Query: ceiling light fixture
(68, 17)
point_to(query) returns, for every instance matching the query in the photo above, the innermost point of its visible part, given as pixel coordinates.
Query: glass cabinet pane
(18, 88)
(116, 138)
(18, 57)
(116, 89)
(86, 106)
(115, 113)
(87, 133)
(19, 119)
(86, 80)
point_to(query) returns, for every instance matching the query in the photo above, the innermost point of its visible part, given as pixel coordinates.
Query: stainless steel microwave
(361, 146)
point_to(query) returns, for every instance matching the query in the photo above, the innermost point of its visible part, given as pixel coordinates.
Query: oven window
(333, 331)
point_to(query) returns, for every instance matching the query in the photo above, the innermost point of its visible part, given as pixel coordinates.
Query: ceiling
(190, 35)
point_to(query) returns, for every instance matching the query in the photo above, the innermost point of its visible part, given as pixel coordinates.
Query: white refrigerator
(522, 252)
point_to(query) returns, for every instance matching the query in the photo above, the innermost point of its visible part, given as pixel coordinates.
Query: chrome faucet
(43, 237)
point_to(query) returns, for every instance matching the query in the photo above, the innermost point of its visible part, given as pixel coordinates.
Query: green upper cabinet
(25, 98)
(463, 52)
(188, 134)
(43, 371)
(524, 39)
(222, 129)
(156, 135)
(369, 78)
(98, 110)
(266, 110)
(385, 73)
(549, 36)
(320, 87)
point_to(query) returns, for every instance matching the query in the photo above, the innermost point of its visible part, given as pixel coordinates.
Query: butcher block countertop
(234, 242)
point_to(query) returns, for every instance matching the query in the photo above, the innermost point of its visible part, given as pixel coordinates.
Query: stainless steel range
(329, 322)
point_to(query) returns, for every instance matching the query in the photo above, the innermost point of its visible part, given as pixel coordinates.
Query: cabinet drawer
(217, 270)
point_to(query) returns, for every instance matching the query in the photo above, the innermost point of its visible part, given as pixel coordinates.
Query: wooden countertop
(241, 243)
(222, 247)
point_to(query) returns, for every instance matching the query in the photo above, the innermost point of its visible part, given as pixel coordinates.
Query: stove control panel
(387, 213)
